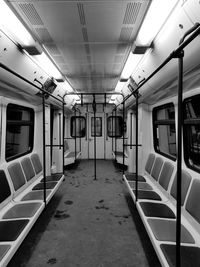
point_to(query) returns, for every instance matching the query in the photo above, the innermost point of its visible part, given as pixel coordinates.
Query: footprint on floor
(68, 202)
(61, 215)
(102, 207)
(52, 261)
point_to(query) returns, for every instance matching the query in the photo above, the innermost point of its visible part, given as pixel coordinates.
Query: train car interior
(99, 139)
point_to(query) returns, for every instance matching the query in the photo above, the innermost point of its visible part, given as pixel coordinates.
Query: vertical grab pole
(63, 139)
(136, 145)
(112, 135)
(44, 147)
(179, 160)
(80, 132)
(115, 131)
(95, 164)
(123, 132)
(75, 135)
(131, 126)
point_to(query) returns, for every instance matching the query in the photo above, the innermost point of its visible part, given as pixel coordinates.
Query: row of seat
(157, 194)
(22, 201)
(70, 156)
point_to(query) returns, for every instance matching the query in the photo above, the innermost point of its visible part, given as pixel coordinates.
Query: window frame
(188, 122)
(30, 123)
(71, 127)
(163, 122)
(122, 128)
(93, 119)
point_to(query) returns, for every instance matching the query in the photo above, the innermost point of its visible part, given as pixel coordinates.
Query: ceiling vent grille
(119, 58)
(52, 49)
(43, 35)
(59, 59)
(125, 34)
(85, 35)
(121, 49)
(81, 13)
(132, 11)
(31, 14)
(87, 49)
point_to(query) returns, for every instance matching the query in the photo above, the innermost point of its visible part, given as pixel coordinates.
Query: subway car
(100, 133)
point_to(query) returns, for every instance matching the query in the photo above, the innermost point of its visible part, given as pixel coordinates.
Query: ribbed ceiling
(88, 40)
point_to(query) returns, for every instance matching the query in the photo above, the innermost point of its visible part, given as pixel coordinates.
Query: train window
(97, 123)
(191, 132)
(115, 126)
(78, 126)
(164, 133)
(19, 131)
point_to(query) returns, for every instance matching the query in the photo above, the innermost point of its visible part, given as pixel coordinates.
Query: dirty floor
(88, 223)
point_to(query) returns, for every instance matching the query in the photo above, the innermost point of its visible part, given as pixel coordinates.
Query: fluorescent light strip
(131, 63)
(13, 27)
(48, 66)
(154, 20)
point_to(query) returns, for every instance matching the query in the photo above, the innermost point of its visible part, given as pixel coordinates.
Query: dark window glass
(191, 132)
(96, 124)
(19, 131)
(115, 126)
(164, 133)
(78, 126)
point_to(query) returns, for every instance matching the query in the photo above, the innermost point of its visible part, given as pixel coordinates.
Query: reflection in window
(19, 131)
(78, 126)
(191, 132)
(164, 130)
(115, 126)
(97, 125)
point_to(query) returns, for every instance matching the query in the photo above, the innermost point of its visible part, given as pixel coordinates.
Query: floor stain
(52, 261)
(69, 202)
(61, 215)
(101, 207)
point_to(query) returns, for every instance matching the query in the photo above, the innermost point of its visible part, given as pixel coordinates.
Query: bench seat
(10, 230)
(132, 177)
(190, 256)
(22, 201)
(165, 230)
(147, 195)
(157, 209)
(22, 210)
(3, 250)
(36, 195)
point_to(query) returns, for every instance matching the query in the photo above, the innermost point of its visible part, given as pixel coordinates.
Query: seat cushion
(141, 185)
(157, 168)
(165, 230)
(16, 175)
(28, 168)
(142, 194)
(40, 186)
(10, 230)
(35, 195)
(190, 256)
(4, 188)
(156, 210)
(25, 210)
(3, 250)
(54, 177)
(132, 177)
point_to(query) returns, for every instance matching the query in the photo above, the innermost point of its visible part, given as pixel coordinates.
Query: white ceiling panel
(88, 40)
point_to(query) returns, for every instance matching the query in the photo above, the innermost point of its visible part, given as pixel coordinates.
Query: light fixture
(48, 66)
(120, 86)
(130, 65)
(13, 27)
(156, 16)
